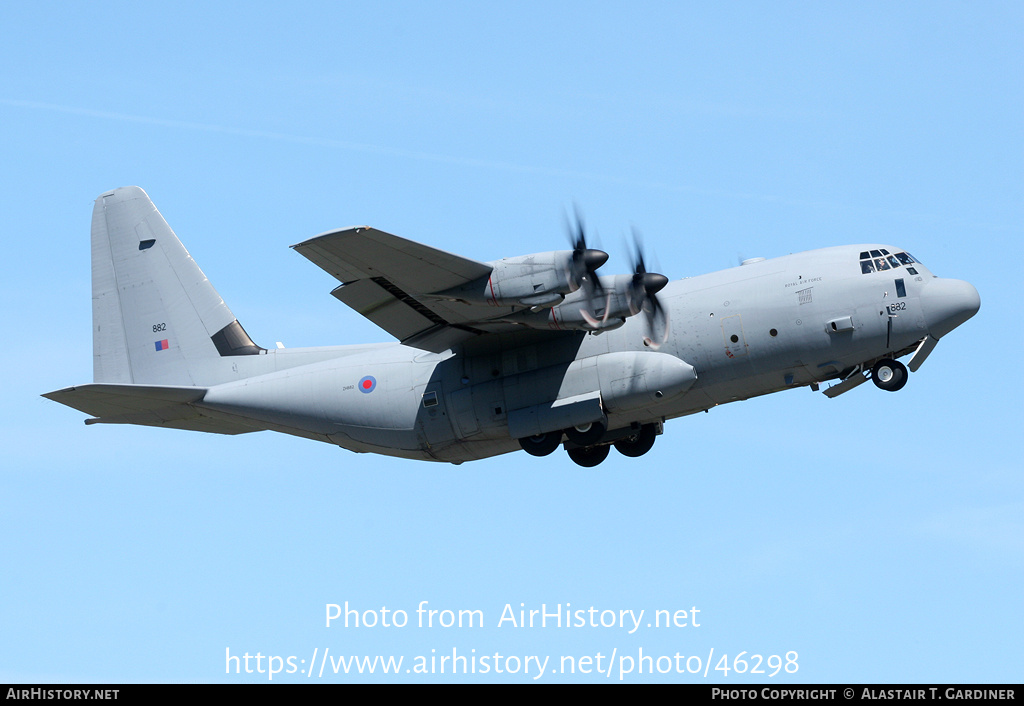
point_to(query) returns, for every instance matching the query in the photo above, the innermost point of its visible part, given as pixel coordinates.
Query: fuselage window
(430, 399)
(901, 289)
(866, 267)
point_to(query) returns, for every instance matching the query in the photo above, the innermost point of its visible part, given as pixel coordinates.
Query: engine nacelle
(536, 281)
(607, 309)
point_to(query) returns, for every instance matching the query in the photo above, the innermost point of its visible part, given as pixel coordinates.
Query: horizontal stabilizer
(149, 405)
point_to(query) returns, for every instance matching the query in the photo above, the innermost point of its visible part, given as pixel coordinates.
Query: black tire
(587, 434)
(889, 375)
(589, 456)
(638, 444)
(542, 444)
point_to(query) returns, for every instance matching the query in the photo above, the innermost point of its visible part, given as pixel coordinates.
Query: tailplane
(157, 320)
(150, 405)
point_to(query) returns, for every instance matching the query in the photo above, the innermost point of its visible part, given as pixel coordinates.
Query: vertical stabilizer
(157, 320)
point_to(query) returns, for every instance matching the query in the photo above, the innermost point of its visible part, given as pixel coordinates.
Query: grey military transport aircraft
(528, 352)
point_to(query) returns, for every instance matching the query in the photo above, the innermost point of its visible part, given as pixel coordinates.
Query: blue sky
(878, 536)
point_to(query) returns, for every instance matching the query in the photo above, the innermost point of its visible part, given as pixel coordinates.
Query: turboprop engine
(535, 281)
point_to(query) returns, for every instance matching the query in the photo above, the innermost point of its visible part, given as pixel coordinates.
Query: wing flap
(395, 314)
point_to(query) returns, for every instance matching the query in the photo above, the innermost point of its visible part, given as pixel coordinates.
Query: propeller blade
(658, 325)
(583, 269)
(643, 295)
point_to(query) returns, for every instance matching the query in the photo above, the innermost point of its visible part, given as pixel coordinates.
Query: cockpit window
(881, 260)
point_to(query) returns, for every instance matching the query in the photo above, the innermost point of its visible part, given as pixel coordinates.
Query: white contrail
(377, 149)
(479, 163)
(299, 139)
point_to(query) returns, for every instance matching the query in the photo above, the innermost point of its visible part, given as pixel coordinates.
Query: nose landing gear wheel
(589, 456)
(889, 375)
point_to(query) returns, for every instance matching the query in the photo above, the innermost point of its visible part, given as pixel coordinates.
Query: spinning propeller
(583, 269)
(643, 290)
(585, 261)
(627, 297)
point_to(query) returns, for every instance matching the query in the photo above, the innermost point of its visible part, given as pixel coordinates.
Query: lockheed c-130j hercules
(528, 352)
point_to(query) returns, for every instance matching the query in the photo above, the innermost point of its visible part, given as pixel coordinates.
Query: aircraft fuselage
(763, 327)
(530, 351)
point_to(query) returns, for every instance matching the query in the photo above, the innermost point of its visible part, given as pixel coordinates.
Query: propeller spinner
(585, 261)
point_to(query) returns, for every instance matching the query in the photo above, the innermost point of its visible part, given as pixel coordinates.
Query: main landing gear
(586, 435)
(589, 456)
(889, 375)
(583, 447)
(541, 444)
(638, 444)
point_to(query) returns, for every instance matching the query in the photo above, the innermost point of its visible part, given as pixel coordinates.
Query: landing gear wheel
(889, 375)
(637, 444)
(586, 434)
(589, 456)
(541, 444)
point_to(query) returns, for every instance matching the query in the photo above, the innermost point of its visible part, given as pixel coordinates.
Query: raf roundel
(368, 384)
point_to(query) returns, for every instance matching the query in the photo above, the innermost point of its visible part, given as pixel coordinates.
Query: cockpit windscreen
(880, 261)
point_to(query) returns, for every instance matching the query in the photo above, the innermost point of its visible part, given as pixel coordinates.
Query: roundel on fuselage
(368, 384)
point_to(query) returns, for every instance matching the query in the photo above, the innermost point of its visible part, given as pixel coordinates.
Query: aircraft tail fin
(157, 320)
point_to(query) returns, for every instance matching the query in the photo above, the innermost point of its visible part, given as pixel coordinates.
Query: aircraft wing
(390, 280)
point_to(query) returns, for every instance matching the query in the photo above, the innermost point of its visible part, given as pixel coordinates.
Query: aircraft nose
(947, 303)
